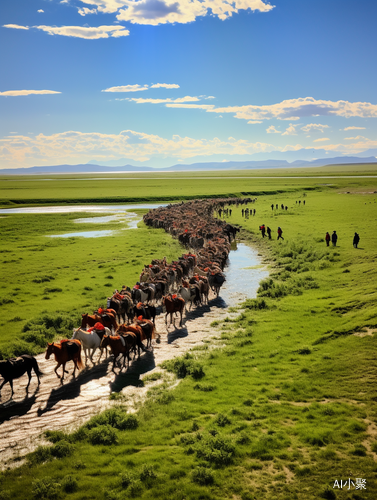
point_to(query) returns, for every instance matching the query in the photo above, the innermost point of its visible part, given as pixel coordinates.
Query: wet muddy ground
(54, 405)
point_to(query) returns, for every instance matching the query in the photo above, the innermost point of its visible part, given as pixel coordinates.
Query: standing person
(334, 238)
(268, 232)
(356, 240)
(327, 238)
(263, 229)
(272, 206)
(280, 232)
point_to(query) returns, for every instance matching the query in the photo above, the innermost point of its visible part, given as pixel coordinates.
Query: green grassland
(120, 188)
(282, 410)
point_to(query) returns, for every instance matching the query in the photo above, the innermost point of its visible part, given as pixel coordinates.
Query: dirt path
(55, 406)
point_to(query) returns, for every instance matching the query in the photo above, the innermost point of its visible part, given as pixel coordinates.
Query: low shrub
(218, 450)
(183, 366)
(46, 488)
(202, 476)
(103, 434)
(40, 455)
(69, 484)
(114, 417)
(62, 449)
(222, 420)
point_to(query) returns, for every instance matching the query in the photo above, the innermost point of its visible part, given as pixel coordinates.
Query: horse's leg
(57, 366)
(11, 384)
(29, 375)
(4, 382)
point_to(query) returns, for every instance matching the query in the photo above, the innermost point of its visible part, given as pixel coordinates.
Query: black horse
(15, 367)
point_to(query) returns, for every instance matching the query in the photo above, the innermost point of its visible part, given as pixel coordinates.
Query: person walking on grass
(268, 232)
(280, 232)
(356, 240)
(263, 230)
(327, 238)
(334, 238)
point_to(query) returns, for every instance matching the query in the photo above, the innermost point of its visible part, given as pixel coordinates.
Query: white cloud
(314, 127)
(155, 12)
(191, 106)
(296, 109)
(165, 85)
(291, 130)
(357, 138)
(78, 147)
(321, 139)
(15, 93)
(89, 33)
(353, 128)
(272, 130)
(127, 88)
(15, 26)
(140, 100)
(85, 11)
(253, 122)
(40, 11)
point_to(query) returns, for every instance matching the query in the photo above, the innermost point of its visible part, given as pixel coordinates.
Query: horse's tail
(80, 364)
(36, 368)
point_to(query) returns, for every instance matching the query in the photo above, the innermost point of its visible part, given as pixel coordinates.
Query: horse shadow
(200, 311)
(72, 389)
(177, 333)
(10, 409)
(139, 366)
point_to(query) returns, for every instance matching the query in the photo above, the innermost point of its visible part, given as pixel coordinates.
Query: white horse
(90, 341)
(188, 295)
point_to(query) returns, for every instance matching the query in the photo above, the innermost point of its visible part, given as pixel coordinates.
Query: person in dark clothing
(268, 232)
(356, 240)
(334, 238)
(327, 238)
(263, 229)
(280, 232)
(272, 206)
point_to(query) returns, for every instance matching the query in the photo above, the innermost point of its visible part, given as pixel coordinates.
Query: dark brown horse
(120, 344)
(16, 367)
(64, 351)
(108, 320)
(173, 305)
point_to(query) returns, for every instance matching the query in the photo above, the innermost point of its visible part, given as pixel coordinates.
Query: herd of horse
(169, 285)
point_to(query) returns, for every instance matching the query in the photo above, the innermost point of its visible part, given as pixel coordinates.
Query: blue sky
(164, 82)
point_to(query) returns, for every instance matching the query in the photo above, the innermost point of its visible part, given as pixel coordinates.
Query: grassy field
(282, 411)
(119, 188)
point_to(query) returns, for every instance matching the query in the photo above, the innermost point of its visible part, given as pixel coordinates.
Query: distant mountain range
(94, 167)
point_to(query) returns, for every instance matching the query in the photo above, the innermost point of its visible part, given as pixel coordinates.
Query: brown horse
(108, 320)
(173, 305)
(136, 330)
(64, 351)
(120, 345)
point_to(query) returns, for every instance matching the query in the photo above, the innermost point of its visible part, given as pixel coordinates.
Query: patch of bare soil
(55, 405)
(365, 332)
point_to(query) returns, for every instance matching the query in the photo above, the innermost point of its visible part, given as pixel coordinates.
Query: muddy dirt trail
(54, 405)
